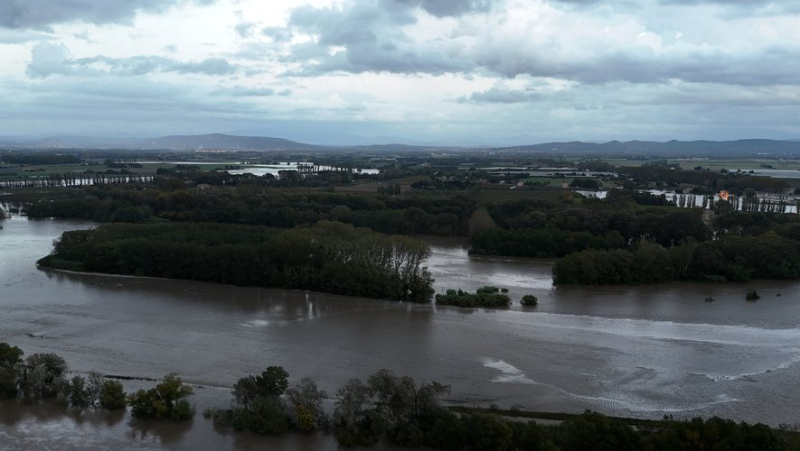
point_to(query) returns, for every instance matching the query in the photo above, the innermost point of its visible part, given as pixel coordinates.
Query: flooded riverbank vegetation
(731, 258)
(483, 297)
(385, 407)
(329, 257)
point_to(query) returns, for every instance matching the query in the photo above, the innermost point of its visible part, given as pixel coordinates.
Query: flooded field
(632, 351)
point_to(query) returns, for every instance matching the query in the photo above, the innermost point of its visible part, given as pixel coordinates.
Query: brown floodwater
(642, 351)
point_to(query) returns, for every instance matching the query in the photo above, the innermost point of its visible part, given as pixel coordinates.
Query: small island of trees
(330, 257)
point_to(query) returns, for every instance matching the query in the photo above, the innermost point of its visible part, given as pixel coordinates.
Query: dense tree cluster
(39, 158)
(166, 401)
(44, 376)
(730, 258)
(330, 257)
(397, 409)
(668, 176)
(382, 213)
(536, 229)
(260, 406)
(540, 243)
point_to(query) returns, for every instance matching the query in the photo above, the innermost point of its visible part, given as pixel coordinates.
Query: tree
(272, 382)
(77, 393)
(165, 401)
(10, 371)
(351, 423)
(45, 376)
(306, 400)
(94, 387)
(112, 395)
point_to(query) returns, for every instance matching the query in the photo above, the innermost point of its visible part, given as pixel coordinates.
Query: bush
(529, 300)
(710, 299)
(752, 296)
(112, 395)
(485, 297)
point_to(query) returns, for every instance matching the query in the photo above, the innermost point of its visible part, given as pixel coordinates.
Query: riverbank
(617, 350)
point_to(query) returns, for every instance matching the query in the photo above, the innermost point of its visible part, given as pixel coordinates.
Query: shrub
(485, 297)
(112, 396)
(529, 300)
(164, 402)
(752, 296)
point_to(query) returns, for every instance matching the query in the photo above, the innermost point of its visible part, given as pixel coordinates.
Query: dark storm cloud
(54, 59)
(40, 14)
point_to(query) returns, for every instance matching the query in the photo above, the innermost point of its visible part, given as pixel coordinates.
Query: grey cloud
(245, 29)
(502, 94)
(49, 59)
(209, 66)
(277, 34)
(22, 36)
(372, 39)
(41, 14)
(369, 33)
(54, 59)
(241, 91)
(443, 8)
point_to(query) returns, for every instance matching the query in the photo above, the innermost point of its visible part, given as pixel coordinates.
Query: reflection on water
(641, 351)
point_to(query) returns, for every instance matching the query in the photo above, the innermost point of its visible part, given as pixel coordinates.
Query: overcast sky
(446, 71)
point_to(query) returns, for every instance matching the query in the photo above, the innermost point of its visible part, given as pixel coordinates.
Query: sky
(457, 72)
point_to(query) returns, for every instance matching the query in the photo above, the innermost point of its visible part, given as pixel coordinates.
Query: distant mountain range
(684, 148)
(233, 142)
(175, 142)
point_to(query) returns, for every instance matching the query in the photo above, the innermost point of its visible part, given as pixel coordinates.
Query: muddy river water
(630, 351)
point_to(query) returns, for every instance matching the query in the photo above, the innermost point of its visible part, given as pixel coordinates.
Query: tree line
(330, 257)
(537, 229)
(171, 201)
(385, 406)
(730, 258)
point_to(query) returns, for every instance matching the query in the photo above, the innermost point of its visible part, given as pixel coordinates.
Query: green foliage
(272, 382)
(45, 376)
(259, 408)
(390, 406)
(484, 297)
(529, 300)
(730, 258)
(752, 296)
(489, 433)
(330, 257)
(78, 394)
(164, 402)
(112, 395)
(264, 415)
(10, 370)
(306, 401)
(383, 213)
(540, 243)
